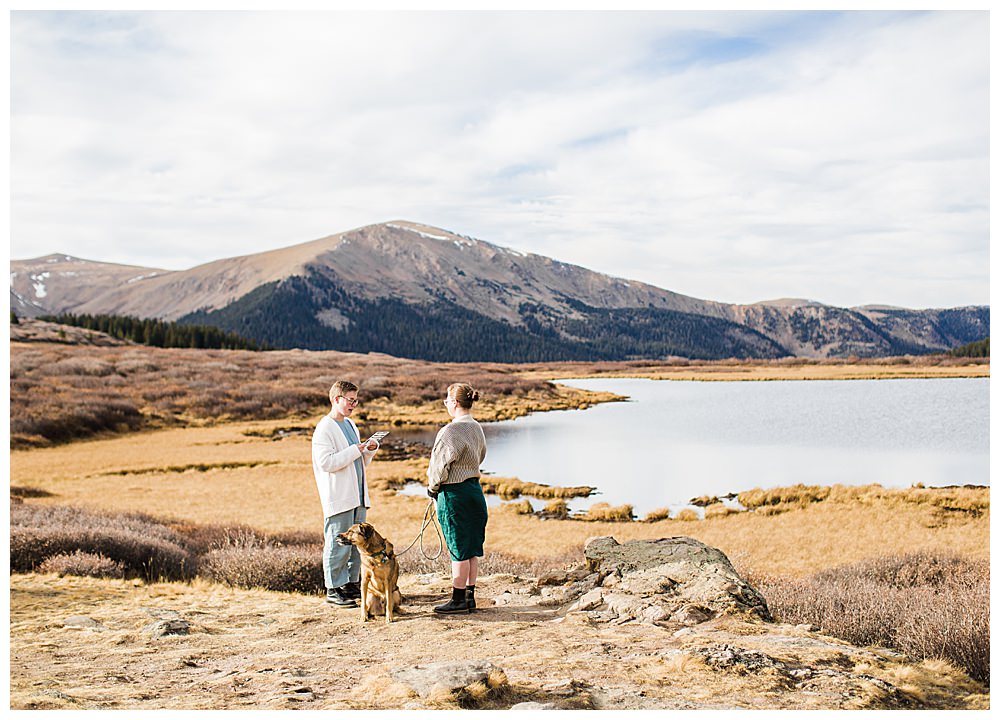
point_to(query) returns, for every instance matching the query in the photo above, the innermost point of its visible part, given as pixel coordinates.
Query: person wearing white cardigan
(339, 460)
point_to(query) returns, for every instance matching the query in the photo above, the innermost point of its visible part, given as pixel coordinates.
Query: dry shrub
(925, 605)
(141, 545)
(79, 366)
(719, 510)
(658, 514)
(556, 509)
(26, 491)
(521, 507)
(796, 494)
(705, 500)
(772, 509)
(60, 392)
(84, 564)
(604, 512)
(56, 421)
(492, 693)
(198, 539)
(509, 488)
(687, 515)
(249, 560)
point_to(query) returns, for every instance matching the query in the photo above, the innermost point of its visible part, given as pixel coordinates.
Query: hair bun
(475, 395)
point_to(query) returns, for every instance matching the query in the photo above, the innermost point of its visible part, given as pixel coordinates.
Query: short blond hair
(342, 387)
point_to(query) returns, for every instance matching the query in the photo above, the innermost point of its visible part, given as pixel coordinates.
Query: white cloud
(731, 156)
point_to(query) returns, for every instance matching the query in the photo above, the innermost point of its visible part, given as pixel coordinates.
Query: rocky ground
(663, 624)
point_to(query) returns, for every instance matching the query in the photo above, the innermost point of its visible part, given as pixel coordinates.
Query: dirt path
(257, 649)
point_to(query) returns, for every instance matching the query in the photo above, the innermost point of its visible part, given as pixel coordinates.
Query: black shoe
(457, 605)
(351, 590)
(470, 597)
(337, 597)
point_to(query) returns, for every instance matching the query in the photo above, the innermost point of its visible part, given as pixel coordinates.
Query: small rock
(533, 706)
(160, 628)
(731, 657)
(449, 676)
(591, 600)
(807, 627)
(82, 622)
(692, 615)
(505, 598)
(655, 613)
(427, 578)
(518, 596)
(668, 653)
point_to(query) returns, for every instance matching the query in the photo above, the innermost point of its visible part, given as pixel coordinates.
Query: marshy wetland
(213, 447)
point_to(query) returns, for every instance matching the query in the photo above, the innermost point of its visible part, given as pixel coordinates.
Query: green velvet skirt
(461, 511)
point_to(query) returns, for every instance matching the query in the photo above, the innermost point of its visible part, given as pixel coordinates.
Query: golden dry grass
(924, 366)
(507, 487)
(268, 484)
(603, 512)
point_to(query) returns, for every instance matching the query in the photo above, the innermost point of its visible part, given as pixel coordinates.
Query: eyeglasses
(448, 400)
(350, 401)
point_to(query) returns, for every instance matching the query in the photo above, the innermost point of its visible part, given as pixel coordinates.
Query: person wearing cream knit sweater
(453, 482)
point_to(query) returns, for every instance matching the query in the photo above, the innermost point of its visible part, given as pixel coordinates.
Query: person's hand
(432, 494)
(369, 446)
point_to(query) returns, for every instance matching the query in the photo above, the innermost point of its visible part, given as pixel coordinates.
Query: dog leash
(430, 518)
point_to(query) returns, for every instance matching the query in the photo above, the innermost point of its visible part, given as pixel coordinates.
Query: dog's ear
(366, 530)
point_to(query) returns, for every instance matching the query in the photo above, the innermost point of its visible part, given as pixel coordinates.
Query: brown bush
(141, 545)
(658, 514)
(925, 605)
(26, 491)
(556, 509)
(86, 416)
(61, 392)
(252, 563)
(84, 564)
(687, 515)
(719, 510)
(521, 507)
(599, 512)
(796, 494)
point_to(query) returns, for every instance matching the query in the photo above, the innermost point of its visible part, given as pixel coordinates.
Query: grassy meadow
(214, 446)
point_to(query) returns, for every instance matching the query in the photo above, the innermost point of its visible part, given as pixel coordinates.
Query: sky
(734, 156)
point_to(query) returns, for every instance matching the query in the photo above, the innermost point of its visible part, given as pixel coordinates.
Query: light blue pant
(341, 563)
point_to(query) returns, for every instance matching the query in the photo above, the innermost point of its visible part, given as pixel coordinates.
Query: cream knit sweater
(459, 448)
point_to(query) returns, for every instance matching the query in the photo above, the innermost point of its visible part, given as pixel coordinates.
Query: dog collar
(384, 557)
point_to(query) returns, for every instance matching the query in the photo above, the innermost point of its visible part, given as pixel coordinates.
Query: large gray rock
(447, 676)
(679, 580)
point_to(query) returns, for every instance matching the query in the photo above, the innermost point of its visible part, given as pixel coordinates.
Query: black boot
(470, 597)
(456, 605)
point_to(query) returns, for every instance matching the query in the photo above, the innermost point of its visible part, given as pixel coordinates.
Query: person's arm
(442, 456)
(327, 457)
(365, 452)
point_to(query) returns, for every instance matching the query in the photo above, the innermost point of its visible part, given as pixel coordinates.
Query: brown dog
(379, 571)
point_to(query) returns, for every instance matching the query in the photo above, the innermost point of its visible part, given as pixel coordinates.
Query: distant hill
(416, 291)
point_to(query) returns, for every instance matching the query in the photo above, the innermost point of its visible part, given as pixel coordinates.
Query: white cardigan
(333, 465)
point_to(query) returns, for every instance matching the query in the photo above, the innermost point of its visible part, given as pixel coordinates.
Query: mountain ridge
(429, 277)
